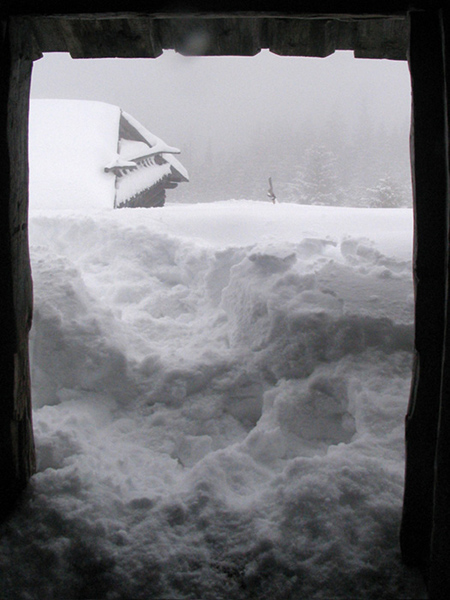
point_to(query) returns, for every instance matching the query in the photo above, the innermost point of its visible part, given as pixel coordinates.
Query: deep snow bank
(220, 392)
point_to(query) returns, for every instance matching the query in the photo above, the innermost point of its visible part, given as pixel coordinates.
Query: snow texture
(71, 142)
(219, 395)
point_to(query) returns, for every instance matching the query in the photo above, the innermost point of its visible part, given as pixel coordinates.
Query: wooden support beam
(439, 575)
(16, 436)
(428, 156)
(206, 8)
(145, 36)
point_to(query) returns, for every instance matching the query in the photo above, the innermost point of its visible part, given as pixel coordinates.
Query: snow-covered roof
(70, 141)
(73, 142)
(158, 146)
(132, 150)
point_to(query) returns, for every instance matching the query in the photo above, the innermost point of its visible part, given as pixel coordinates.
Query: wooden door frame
(425, 528)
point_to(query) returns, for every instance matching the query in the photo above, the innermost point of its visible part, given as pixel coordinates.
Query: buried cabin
(86, 154)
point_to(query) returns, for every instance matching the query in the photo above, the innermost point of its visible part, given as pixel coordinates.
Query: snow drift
(219, 399)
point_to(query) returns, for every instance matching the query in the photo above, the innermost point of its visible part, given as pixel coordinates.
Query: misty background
(331, 131)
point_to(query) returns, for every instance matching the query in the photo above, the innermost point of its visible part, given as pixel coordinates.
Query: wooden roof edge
(84, 9)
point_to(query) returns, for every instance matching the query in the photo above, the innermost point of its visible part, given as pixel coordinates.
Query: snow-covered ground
(219, 394)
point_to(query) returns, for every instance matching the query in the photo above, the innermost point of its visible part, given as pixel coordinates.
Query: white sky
(224, 98)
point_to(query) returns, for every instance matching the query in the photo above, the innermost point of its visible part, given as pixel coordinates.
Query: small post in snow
(270, 191)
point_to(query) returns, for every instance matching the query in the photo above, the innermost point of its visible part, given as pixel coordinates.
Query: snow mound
(217, 418)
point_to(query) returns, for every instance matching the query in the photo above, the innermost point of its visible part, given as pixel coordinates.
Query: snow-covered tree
(387, 194)
(319, 184)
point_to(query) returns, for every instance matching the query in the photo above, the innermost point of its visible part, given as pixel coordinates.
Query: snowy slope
(219, 395)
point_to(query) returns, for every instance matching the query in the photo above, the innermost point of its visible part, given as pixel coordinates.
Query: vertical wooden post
(16, 436)
(428, 156)
(439, 576)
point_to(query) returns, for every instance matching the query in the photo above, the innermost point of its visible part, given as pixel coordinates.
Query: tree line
(365, 166)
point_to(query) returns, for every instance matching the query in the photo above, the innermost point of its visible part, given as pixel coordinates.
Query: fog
(239, 120)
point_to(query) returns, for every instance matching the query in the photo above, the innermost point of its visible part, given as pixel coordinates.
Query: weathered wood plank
(302, 37)
(280, 8)
(145, 37)
(381, 38)
(16, 438)
(439, 577)
(212, 36)
(430, 248)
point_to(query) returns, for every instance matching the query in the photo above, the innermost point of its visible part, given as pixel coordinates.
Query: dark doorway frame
(395, 29)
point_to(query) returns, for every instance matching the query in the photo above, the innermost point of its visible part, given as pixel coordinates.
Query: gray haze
(230, 114)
